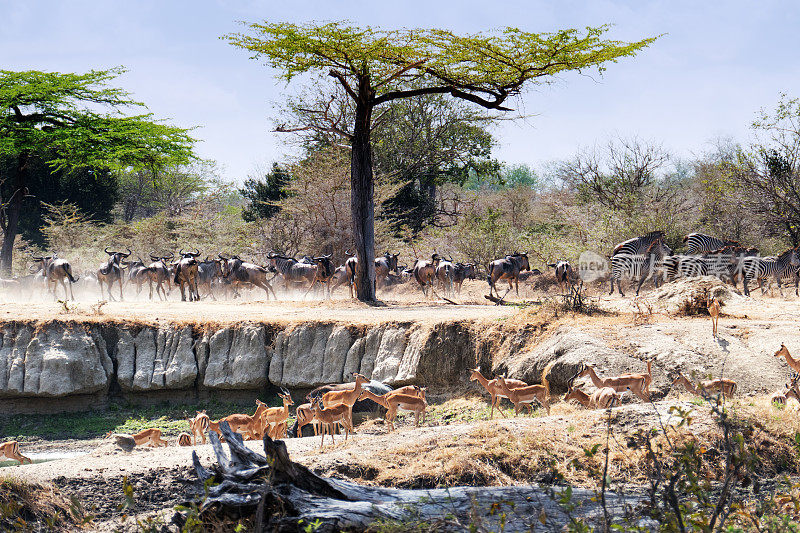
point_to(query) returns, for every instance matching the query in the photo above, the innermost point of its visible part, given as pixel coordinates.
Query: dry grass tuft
(30, 507)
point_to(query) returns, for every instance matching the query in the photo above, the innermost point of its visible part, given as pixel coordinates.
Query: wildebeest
(137, 273)
(339, 278)
(207, 272)
(508, 269)
(425, 273)
(292, 270)
(461, 272)
(111, 272)
(238, 272)
(158, 273)
(445, 274)
(564, 275)
(383, 265)
(324, 273)
(55, 271)
(350, 267)
(186, 274)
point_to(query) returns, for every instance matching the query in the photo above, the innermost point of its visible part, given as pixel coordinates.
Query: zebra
(759, 268)
(697, 243)
(638, 257)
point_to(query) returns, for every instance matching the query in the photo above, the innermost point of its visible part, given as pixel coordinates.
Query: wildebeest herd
(224, 276)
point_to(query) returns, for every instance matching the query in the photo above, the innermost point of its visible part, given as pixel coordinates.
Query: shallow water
(43, 457)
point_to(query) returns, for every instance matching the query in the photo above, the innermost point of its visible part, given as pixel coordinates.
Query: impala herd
(332, 410)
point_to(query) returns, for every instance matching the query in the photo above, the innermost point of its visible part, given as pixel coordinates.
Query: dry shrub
(30, 507)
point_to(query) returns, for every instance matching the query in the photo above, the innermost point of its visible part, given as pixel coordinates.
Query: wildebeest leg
(71, 294)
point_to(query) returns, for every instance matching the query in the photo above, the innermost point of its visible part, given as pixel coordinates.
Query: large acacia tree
(375, 66)
(78, 120)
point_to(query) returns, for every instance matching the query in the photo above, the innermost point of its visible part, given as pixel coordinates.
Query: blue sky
(718, 63)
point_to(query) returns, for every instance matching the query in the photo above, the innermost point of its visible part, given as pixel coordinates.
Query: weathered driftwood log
(286, 496)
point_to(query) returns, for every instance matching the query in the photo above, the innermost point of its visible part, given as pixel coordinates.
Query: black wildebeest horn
(222, 257)
(196, 252)
(154, 257)
(129, 252)
(109, 253)
(181, 252)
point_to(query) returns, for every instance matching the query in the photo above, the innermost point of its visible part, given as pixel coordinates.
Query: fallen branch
(284, 495)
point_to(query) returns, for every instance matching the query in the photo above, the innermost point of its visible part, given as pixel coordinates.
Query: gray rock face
(570, 348)
(52, 362)
(155, 359)
(60, 359)
(236, 358)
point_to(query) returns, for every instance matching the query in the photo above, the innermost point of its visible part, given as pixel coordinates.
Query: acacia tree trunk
(11, 215)
(362, 187)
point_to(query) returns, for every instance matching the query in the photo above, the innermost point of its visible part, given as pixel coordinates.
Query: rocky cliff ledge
(63, 360)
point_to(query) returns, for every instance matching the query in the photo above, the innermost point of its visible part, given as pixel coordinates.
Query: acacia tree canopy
(375, 66)
(77, 118)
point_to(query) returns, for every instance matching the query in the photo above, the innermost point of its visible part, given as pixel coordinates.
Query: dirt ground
(435, 454)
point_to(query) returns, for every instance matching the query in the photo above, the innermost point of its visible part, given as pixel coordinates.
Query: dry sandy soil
(434, 454)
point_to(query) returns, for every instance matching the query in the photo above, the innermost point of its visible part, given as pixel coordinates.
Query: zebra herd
(649, 256)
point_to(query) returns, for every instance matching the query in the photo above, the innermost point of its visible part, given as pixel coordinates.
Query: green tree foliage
(508, 177)
(171, 189)
(375, 67)
(770, 171)
(92, 190)
(78, 119)
(424, 142)
(263, 194)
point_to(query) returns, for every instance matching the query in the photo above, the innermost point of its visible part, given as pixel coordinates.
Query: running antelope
(637, 383)
(713, 310)
(274, 419)
(56, 271)
(529, 393)
(493, 390)
(507, 269)
(604, 398)
(328, 416)
(199, 424)
(10, 450)
(395, 401)
(111, 272)
(726, 386)
(794, 364)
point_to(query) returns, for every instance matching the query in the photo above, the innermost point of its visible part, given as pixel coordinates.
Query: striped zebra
(697, 243)
(783, 266)
(638, 258)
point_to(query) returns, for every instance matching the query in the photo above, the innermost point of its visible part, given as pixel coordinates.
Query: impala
(347, 397)
(492, 388)
(10, 450)
(151, 436)
(394, 402)
(245, 423)
(726, 386)
(713, 310)
(184, 439)
(530, 393)
(275, 417)
(200, 424)
(604, 398)
(794, 364)
(328, 416)
(637, 383)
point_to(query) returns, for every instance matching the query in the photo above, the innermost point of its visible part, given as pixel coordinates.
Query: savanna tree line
(74, 179)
